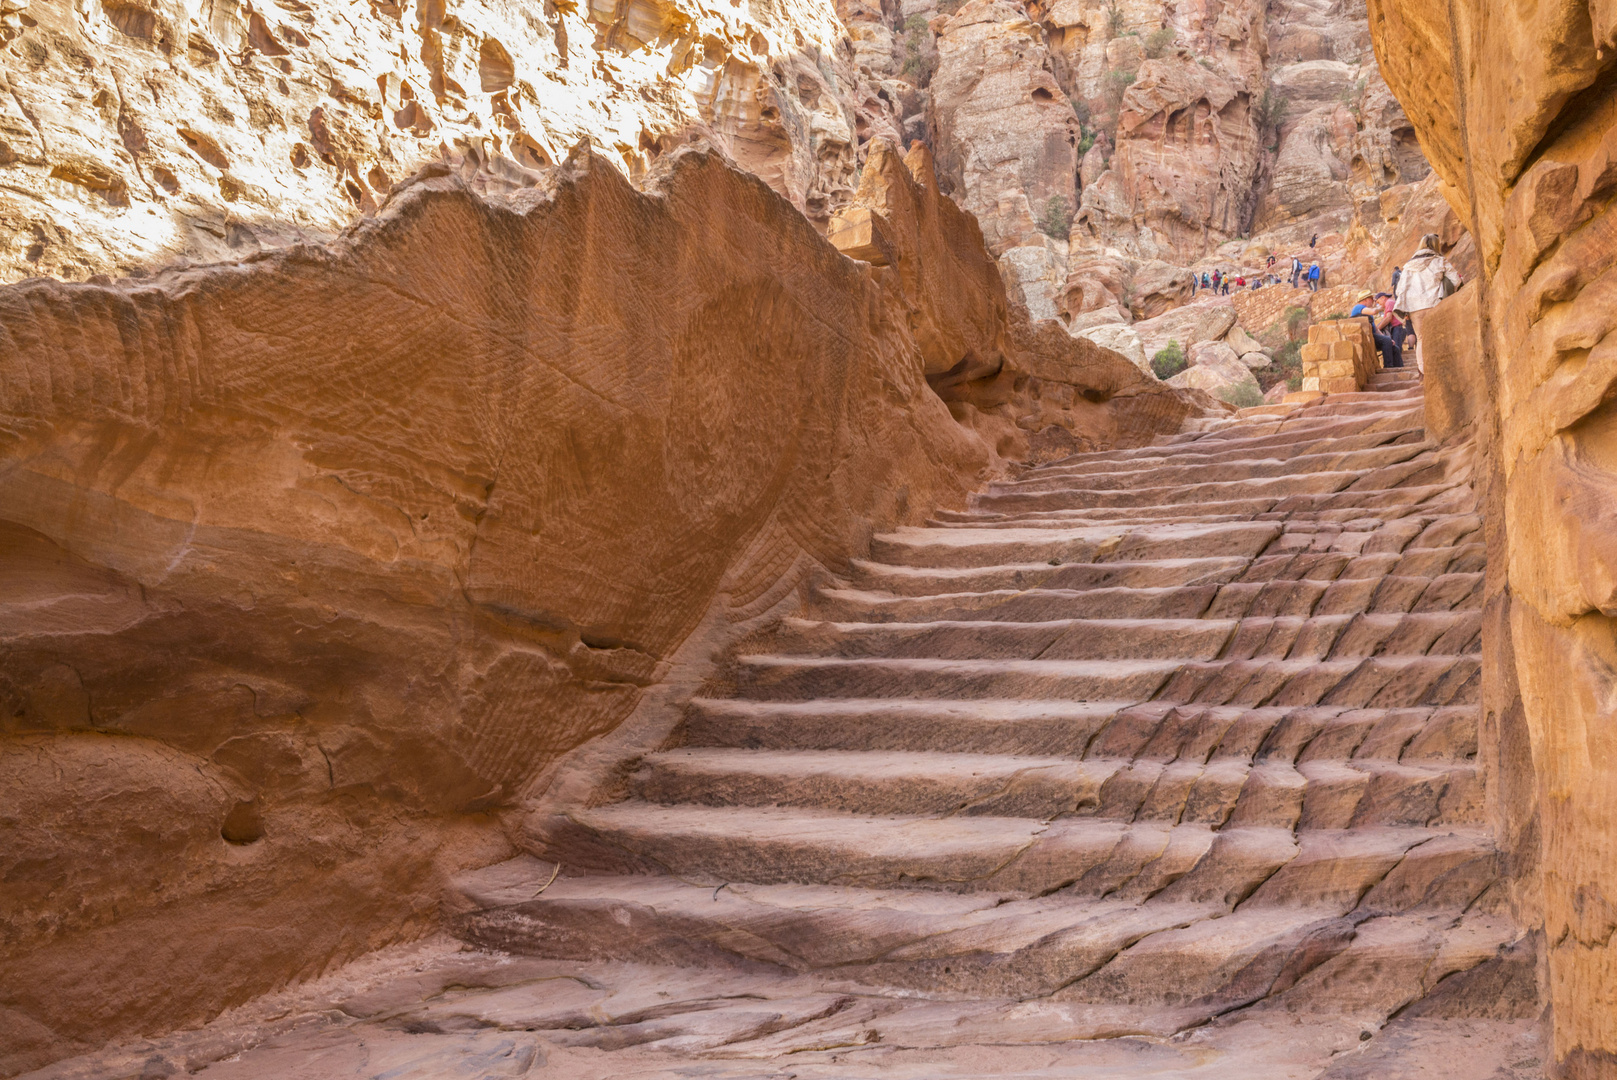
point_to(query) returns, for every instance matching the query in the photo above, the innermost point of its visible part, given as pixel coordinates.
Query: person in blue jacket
(1366, 307)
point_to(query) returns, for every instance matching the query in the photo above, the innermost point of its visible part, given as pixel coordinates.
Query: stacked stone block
(1339, 358)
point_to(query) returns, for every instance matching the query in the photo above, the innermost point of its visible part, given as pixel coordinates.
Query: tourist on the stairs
(1204, 281)
(1391, 355)
(1397, 329)
(1313, 276)
(1428, 277)
(1296, 270)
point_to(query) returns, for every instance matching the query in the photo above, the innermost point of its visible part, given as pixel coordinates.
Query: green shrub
(1241, 395)
(1170, 361)
(1296, 318)
(1159, 42)
(1056, 221)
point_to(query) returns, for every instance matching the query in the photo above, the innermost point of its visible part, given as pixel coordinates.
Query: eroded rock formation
(135, 132)
(1514, 106)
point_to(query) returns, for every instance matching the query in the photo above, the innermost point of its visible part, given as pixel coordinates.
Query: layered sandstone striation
(317, 561)
(1514, 106)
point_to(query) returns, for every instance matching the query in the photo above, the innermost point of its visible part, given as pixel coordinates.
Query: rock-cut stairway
(1161, 733)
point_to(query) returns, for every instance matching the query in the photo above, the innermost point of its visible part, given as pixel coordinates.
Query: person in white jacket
(1427, 279)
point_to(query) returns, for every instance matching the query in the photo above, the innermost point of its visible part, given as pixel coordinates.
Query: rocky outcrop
(1211, 136)
(138, 132)
(1002, 123)
(318, 561)
(1514, 107)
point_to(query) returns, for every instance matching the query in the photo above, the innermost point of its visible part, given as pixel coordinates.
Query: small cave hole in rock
(1041, 94)
(244, 824)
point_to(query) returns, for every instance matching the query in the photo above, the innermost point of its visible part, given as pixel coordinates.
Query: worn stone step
(1095, 543)
(1078, 497)
(1345, 504)
(926, 581)
(1268, 448)
(1154, 731)
(1376, 682)
(1322, 556)
(1056, 639)
(789, 678)
(1317, 793)
(1340, 588)
(1011, 856)
(1158, 472)
(974, 943)
(1330, 637)
(978, 726)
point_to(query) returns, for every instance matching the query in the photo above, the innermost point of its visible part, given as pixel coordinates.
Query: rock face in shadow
(314, 563)
(1514, 105)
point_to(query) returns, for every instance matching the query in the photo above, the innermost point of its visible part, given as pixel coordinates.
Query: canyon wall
(314, 563)
(1517, 106)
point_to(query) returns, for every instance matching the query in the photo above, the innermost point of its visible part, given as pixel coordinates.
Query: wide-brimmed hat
(1366, 295)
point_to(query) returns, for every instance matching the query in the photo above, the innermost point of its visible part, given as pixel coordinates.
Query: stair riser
(1155, 732)
(960, 549)
(1075, 576)
(1169, 473)
(1062, 640)
(1079, 497)
(1335, 637)
(786, 681)
(1342, 797)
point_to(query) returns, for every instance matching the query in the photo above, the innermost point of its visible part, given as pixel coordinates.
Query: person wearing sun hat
(1366, 307)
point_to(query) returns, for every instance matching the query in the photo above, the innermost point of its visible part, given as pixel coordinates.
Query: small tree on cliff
(1056, 221)
(1116, 21)
(1268, 113)
(920, 61)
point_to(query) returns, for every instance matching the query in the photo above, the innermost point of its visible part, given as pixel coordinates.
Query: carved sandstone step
(1157, 472)
(1333, 593)
(1008, 855)
(1075, 946)
(1315, 794)
(1341, 505)
(1155, 731)
(1267, 449)
(1354, 558)
(1096, 543)
(1331, 637)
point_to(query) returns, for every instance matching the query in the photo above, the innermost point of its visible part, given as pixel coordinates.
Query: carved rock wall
(1515, 105)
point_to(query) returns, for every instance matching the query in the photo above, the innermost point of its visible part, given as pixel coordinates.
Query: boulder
(1204, 320)
(1256, 360)
(1242, 342)
(1211, 353)
(1225, 377)
(1120, 339)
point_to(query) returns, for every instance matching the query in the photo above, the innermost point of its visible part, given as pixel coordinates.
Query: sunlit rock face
(136, 132)
(1515, 107)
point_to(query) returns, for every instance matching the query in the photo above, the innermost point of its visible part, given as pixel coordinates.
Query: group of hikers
(1417, 287)
(1219, 282)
